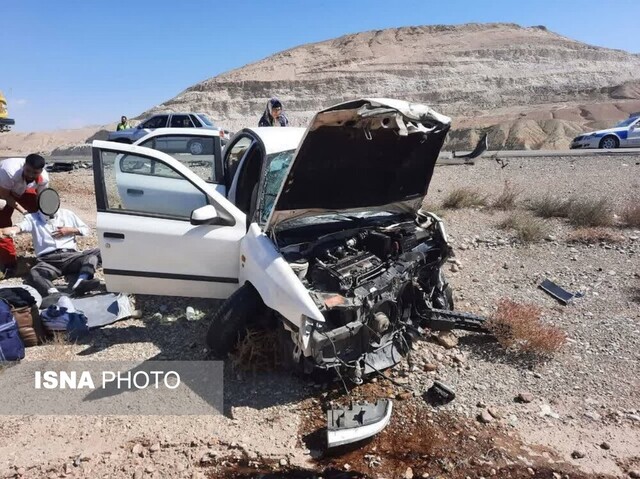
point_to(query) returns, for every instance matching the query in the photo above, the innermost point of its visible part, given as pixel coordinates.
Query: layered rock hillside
(529, 87)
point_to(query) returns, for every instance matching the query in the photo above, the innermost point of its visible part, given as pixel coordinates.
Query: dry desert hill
(528, 87)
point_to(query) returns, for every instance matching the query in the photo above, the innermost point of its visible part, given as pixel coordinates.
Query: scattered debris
(357, 422)
(440, 393)
(561, 294)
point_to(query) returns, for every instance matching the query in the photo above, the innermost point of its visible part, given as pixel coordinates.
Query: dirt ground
(583, 419)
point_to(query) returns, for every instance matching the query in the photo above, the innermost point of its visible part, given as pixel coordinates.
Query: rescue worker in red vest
(21, 179)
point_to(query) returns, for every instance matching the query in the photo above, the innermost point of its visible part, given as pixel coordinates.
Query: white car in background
(165, 120)
(625, 134)
(317, 233)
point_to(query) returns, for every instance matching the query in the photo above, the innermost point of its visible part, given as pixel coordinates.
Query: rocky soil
(574, 415)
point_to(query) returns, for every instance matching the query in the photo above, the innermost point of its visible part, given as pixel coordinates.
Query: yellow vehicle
(5, 122)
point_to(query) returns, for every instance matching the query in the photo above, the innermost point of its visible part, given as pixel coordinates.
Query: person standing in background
(274, 114)
(124, 124)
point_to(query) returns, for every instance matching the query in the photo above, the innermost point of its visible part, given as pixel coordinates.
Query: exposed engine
(372, 285)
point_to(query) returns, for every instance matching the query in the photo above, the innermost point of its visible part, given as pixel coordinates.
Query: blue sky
(71, 63)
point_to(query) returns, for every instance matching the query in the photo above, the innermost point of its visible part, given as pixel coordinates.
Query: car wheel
(231, 320)
(196, 147)
(609, 142)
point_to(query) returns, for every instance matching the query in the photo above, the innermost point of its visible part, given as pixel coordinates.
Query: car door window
(196, 152)
(233, 156)
(136, 184)
(181, 121)
(159, 121)
(196, 121)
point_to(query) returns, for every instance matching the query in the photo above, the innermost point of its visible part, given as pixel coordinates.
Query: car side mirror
(205, 215)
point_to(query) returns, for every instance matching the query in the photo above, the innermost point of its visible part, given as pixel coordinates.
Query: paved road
(446, 157)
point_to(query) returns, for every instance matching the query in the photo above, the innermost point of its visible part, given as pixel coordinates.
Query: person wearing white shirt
(57, 252)
(21, 179)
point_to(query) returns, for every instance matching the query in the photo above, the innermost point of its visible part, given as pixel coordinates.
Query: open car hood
(370, 154)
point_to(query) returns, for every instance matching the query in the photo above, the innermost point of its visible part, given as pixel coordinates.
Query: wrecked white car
(320, 232)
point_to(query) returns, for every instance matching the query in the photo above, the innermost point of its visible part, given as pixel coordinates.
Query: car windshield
(627, 122)
(205, 119)
(277, 167)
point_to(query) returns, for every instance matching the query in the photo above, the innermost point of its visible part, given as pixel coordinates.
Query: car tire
(242, 309)
(196, 147)
(609, 142)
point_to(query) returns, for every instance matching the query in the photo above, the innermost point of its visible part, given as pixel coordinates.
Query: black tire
(231, 320)
(609, 142)
(196, 147)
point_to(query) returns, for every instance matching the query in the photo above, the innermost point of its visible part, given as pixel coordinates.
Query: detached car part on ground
(317, 233)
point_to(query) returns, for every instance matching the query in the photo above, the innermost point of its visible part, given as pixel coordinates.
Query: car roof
(276, 139)
(179, 131)
(177, 113)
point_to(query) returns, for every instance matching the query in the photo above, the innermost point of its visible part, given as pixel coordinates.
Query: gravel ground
(585, 396)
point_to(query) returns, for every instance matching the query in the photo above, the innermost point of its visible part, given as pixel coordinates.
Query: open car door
(161, 228)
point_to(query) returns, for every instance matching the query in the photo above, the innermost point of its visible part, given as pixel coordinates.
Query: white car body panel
(276, 140)
(280, 288)
(167, 256)
(149, 247)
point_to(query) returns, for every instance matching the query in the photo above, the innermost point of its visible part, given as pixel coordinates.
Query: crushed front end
(374, 285)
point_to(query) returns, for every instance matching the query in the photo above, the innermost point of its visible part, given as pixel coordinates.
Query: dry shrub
(507, 199)
(592, 213)
(551, 207)
(594, 236)
(432, 208)
(631, 214)
(59, 346)
(518, 326)
(464, 198)
(527, 228)
(257, 351)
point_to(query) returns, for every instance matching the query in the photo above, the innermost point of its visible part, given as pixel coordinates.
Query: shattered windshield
(277, 167)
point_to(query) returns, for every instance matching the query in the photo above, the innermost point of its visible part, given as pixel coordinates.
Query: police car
(625, 134)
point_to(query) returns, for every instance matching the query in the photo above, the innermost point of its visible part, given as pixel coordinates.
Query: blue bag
(11, 346)
(55, 318)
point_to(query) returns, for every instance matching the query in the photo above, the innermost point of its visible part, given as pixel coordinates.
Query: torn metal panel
(561, 294)
(357, 422)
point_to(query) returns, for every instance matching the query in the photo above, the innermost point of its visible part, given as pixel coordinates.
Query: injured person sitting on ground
(54, 232)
